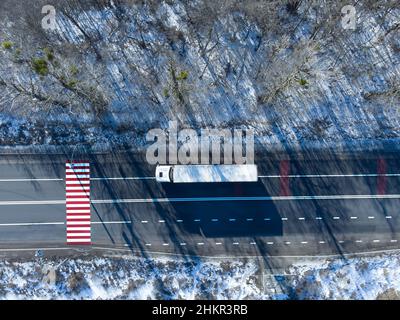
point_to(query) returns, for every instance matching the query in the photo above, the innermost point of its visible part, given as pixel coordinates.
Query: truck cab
(164, 173)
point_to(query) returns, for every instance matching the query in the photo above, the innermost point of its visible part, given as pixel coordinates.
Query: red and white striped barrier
(77, 185)
(284, 168)
(382, 178)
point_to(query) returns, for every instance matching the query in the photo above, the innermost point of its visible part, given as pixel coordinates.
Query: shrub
(40, 66)
(73, 70)
(183, 75)
(166, 93)
(49, 54)
(17, 55)
(303, 82)
(7, 45)
(71, 84)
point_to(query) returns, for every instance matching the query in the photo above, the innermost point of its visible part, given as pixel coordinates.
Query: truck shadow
(212, 217)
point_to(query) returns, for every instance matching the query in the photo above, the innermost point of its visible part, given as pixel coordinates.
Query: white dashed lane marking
(335, 218)
(252, 243)
(331, 175)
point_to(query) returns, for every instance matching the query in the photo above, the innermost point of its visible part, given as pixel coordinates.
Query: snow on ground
(181, 61)
(129, 277)
(360, 278)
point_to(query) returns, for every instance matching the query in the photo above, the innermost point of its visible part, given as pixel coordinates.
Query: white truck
(207, 173)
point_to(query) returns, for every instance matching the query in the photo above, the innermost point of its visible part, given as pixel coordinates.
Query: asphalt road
(320, 206)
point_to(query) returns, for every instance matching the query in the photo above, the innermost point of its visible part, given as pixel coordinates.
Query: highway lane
(48, 189)
(277, 226)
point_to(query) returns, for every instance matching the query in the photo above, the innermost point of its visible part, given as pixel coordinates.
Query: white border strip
(210, 199)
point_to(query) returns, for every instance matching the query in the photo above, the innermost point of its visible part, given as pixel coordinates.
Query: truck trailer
(207, 173)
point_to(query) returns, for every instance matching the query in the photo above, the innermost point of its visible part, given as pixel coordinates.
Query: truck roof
(215, 173)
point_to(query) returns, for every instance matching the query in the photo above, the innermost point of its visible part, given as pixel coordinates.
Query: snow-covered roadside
(369, 277)
(375, 277)
(297, 82)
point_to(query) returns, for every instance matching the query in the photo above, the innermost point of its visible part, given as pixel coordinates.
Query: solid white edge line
(152, 178)
(33, 179)
(266, 198)
(116, 249)
(111, 222)
(69, 224)
(22, 224)
(124, 178)
(331, 175)
(209, 199)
